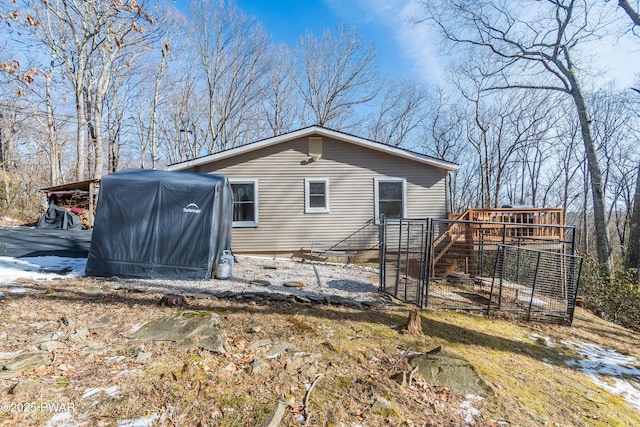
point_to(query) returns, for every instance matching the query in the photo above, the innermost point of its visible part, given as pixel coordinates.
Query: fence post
(533, 287)
(493, 280)
(382, 253)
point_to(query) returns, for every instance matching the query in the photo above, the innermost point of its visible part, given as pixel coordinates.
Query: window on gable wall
(245, 202)
(316, 195)
(390, 198)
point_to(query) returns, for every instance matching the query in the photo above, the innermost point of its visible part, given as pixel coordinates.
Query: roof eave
(449, 167)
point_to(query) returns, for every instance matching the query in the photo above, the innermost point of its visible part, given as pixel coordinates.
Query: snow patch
(615, 372)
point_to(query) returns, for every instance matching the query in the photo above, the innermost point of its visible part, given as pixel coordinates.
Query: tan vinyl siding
(281, 170)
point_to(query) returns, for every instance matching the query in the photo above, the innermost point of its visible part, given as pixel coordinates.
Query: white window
(390, 198)
(316, 195)
(245, 202)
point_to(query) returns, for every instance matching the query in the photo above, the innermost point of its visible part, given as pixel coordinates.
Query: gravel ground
(311, 279)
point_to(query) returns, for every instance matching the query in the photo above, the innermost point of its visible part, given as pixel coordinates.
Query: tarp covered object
(59, 218)
(158, 224)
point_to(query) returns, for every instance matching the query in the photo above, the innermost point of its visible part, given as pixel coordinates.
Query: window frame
(247, 224)
(376, 190)
(307, 193)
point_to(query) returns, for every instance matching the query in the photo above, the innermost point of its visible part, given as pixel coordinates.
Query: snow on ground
(615, 372)
(39, 268)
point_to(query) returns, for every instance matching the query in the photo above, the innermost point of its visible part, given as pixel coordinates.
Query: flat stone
(102, 322)
(353, 303)
(178, 327)
(214, 342)
(143, 356)
(260, 282)
(54, 336)
(452, 371)
(293, 284)
(260, 343)
(26, 386)
(318, 299)
(51, 346)
(93, 291)
(27, 361)
(384, 407)
(280, 349)
(80, 335)
(302, 299)
(259, 366)
(68, 321)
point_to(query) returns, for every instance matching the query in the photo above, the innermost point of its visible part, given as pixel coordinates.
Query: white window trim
(307, 204)
(240, 224)
(377, 196)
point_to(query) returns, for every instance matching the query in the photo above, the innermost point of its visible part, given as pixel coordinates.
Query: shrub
(617, 300)
(15, 201)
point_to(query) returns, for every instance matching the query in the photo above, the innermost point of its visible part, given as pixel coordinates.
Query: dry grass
(351, 355)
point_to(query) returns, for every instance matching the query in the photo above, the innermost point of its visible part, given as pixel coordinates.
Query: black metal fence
(453, 264)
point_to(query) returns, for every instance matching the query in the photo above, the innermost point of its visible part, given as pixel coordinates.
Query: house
(318, 188)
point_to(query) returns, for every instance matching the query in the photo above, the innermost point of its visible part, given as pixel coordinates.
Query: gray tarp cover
(158, 224)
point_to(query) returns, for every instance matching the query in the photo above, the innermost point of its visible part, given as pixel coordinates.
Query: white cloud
(416, 43)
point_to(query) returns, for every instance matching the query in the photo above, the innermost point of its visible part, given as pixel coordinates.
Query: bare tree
(632, 259)
(401, 113)
(232, 51)
(280, 94)
(336, 73)
(532, 45)
(88, 37)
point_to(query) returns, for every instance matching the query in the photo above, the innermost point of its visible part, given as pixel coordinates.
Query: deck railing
(517, 222)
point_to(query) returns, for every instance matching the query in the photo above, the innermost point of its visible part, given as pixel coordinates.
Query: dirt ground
(340, 373)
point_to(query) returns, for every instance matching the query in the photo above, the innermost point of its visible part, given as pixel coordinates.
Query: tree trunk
(54, 151)
(633, 249)
(603, 246)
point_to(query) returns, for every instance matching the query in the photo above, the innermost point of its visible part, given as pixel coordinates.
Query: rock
(452, 371)
(384, 407)
(51, 346)
(9, 355)
(260, 282)
(259, 366)
(276, 416)
(352, 303)
(102, 322)
(143, 356)
(68, 321)
(293, 284)
(178, 327)
(3, 335)
(54, 336)
(25, 387)
(306, 362)
(80, 335)
(254, 329)
(317, 299)
(303, 299)
(260, 343)
(215, 342)
(400, 378)
(280, 349)
(27, 361)
(173, 300)
(93, 291)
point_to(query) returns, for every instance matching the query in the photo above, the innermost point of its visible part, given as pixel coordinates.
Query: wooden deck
(456, 248)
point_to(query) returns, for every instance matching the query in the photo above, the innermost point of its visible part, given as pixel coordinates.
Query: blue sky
(380, 22)
(404, 47)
